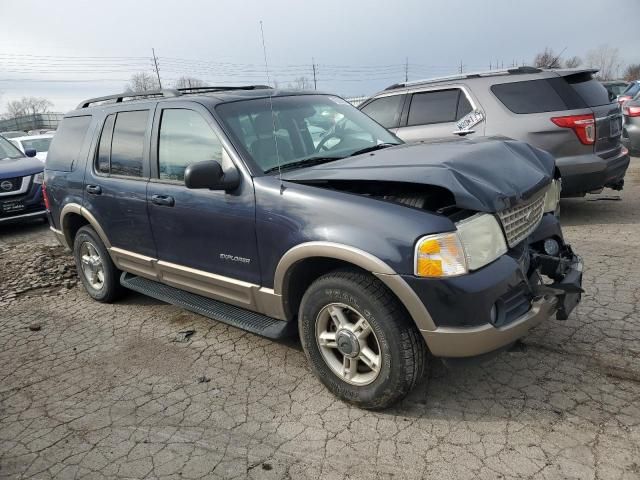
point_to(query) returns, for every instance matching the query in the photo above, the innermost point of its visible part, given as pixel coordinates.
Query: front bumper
(460, 307)
(23, 206)
(587, 173)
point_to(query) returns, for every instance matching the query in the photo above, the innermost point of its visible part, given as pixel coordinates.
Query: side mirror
(210, 175)
(30, 152)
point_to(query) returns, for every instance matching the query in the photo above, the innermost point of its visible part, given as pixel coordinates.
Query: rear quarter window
(67, 143)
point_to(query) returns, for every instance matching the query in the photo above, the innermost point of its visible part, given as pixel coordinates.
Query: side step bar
(235, 316)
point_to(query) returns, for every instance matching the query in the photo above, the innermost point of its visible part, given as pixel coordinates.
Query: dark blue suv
(277, 211)
(21, 178)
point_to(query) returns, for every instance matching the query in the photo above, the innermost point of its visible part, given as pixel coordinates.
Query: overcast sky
(68, 50)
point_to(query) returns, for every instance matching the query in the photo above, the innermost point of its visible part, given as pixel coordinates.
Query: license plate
(615, 127)
(12, 207)
(469, 120)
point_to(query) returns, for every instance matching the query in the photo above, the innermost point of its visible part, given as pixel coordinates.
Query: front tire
(359, 340)
(100, 277)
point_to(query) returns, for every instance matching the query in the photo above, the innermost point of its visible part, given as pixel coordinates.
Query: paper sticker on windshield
(469, 120)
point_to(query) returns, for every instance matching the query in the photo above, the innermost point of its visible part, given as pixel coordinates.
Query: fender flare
(364, 260)
(87, 215)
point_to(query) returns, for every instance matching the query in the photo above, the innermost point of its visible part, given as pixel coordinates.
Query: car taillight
(623, 98)
(630, 111)
(45, 196)
(583, 125)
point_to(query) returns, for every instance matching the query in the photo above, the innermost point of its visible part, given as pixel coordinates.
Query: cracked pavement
(105, 391)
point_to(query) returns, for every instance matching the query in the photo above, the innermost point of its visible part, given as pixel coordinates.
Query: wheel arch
(74, 216)
(304, 263)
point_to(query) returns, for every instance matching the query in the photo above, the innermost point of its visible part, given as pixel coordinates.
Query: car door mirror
(30, 152)
(209, 174)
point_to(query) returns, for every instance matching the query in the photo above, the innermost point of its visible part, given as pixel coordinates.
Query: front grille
(520, 221)
(10, 184)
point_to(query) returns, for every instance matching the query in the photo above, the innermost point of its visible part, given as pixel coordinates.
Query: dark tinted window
(185, 138)
(464, 106)
(591, 91)
(433, 107)
(531, 96)
(104, 148)
(67, 142)
(385, 110)
(127, 144)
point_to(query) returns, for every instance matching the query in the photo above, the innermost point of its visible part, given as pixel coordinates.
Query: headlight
(440, 256)
(482, 239)
(38, 177)
(552, 197)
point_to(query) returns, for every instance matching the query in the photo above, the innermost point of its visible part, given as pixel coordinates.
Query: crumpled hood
(486, 174)
(20, 167)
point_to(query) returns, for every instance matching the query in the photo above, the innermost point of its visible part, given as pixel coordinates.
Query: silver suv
(566, 112)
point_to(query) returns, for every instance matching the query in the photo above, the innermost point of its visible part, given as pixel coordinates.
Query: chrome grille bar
(520, 221)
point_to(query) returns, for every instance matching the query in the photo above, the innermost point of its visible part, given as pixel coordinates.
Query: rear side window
(570, 92)
(67, 143)
(440, 106)
(121, 147)
(385, 110)
(531, 96)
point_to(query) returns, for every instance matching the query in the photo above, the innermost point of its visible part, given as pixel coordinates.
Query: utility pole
(155, 63)
(406, 69)
(461, 66)
(315, 84)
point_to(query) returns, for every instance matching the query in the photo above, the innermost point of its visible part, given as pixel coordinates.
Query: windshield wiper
(305, 162)
(379, 146)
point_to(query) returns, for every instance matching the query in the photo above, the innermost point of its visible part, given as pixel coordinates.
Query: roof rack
(167, 92)
(462, 76)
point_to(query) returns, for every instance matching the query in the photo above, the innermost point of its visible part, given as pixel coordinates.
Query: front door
(205, 239)
(116, 181)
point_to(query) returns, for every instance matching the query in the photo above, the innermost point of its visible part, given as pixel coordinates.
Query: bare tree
(547, 59)
(607, 60)
(300, 83)
(573, 62)
(632, 72)
(189, 82)
(27, 106)
(141, 82)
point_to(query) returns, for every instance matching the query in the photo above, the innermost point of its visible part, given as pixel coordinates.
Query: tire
(401, 351)
(107, 288)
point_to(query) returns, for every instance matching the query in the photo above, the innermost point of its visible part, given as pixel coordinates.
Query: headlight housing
(38, 177)
(552, 197)
(477, 242)
(482, 239)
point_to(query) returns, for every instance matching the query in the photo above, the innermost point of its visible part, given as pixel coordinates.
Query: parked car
(39, 143)
(631, 91)
(21, 179)
(40, 131)
(631, 125)
(566, 112)
(13, 134)
(615, 88)
(374, 250)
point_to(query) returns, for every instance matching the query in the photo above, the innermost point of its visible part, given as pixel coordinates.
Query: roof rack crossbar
(167, 92)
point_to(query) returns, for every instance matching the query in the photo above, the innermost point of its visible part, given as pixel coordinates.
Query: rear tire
(348, 316)
(100, 277)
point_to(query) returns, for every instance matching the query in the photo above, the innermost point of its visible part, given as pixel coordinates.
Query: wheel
(100, 277)
(359, 340)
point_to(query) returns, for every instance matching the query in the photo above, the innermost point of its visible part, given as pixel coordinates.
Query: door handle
(93, 189)
(163, 200)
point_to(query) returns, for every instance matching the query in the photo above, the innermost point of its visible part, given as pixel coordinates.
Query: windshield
(38, 144)
(7, 150)
(302, 128)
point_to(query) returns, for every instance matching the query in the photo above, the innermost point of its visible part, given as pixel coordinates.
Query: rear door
(116, 180)
(433, 113)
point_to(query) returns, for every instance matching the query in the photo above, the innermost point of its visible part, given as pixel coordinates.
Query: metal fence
(32, 122)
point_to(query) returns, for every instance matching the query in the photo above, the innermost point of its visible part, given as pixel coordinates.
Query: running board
(235, 316)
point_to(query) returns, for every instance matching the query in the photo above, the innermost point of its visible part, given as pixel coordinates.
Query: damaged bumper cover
(490, 309)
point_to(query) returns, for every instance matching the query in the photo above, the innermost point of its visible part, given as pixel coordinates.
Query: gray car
(631, 127)
(566, 112)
